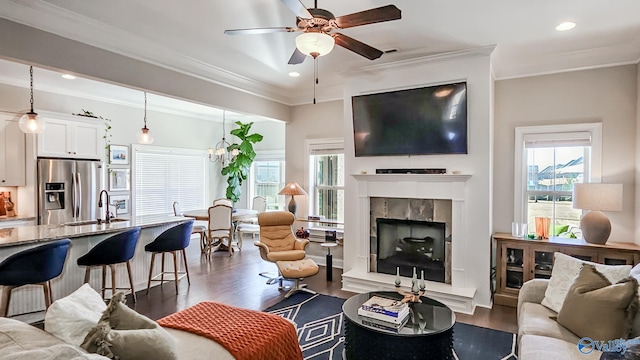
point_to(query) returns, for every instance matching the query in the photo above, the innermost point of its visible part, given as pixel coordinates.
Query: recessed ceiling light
(567, 25)
(68, 76)
(294, 74)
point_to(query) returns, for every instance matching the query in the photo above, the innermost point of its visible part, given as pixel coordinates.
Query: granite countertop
(16, 218)
(42, 233)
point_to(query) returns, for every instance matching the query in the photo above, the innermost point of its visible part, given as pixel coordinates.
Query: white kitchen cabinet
(12, 152)
(72, 139)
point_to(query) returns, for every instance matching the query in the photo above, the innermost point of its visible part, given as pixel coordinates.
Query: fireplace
(407, 244)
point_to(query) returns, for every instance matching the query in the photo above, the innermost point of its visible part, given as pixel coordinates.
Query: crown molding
(54, 19)
(429, 59)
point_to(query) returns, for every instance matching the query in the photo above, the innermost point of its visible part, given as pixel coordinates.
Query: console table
(428, 334)
(519, 260)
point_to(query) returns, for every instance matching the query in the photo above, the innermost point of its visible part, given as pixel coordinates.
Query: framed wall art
(119, 154)
(121, 203)
(119, 179)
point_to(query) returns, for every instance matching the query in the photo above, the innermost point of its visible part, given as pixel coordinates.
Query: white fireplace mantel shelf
(413, 177)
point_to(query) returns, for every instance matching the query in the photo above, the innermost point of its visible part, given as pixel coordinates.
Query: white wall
(319, 121)
(169, 130)
(637, 183)
(607, 95)
(474, 68)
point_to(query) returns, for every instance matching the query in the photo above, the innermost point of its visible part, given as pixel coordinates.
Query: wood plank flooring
(234, 280)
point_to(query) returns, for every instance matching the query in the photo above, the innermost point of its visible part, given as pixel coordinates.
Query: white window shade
(164, 176)
(560, 139)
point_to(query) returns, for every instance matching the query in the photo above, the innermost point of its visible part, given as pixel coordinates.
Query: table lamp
(292, 189)
(595, 225)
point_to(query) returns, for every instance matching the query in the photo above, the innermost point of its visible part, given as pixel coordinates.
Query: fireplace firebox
(408, 244)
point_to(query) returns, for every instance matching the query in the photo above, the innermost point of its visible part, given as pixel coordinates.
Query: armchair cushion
(289, 255)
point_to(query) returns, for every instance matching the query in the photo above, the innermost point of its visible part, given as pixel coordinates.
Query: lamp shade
(292, 188)
(315, 43)
(602, 197)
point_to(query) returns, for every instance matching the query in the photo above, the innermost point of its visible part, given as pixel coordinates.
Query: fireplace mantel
(413, 177)
(460, 294)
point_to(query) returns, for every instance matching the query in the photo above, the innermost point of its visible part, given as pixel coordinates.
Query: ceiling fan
(318, 26)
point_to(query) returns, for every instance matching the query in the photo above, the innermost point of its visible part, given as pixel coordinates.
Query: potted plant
(238, 167)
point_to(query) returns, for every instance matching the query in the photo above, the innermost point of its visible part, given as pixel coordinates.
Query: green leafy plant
(238, 167)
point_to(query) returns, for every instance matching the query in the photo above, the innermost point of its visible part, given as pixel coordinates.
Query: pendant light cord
(145, 109)
(31, 85)
(315, 76)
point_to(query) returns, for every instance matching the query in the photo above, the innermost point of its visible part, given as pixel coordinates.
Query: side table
(329, 245)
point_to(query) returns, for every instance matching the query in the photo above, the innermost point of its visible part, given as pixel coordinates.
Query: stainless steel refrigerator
(68, 190)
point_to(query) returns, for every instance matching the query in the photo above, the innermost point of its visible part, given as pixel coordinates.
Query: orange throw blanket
(246, 334)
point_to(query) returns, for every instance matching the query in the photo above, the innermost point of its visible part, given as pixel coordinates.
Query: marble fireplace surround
(414, 186)
(422, 210)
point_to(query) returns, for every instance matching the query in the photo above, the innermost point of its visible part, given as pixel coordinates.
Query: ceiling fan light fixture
(315, 43)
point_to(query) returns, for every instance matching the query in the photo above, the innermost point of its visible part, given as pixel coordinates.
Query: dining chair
(223, 201)
(220, 227)
(199, 226)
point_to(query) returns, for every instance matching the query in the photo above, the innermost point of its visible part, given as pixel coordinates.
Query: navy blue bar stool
(115, 250)
(35, 266)
(171, 241)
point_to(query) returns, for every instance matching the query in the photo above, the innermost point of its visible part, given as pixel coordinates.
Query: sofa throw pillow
(71, 317)
(124, 334)
(566, 269)
(590, 294)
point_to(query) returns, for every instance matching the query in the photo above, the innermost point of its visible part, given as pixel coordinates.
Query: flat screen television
(420, 121)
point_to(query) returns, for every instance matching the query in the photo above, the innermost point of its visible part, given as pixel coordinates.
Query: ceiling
(187, 36)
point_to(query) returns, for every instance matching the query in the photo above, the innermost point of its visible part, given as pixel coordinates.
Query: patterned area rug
(320, 324)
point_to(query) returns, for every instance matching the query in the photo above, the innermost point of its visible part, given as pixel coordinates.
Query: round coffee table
(428, 334)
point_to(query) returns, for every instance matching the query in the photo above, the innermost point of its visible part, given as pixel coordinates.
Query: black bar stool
(35, 266)
(171, 241)
(115, 250)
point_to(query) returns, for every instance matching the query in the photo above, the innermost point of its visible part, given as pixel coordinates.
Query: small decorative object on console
(417, 287)
(302, 233)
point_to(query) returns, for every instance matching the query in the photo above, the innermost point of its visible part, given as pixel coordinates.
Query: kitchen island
(83, 237)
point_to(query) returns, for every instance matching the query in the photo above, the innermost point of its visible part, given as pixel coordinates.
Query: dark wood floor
(234, 280)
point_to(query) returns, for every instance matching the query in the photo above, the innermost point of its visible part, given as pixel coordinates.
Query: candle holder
(417, 287)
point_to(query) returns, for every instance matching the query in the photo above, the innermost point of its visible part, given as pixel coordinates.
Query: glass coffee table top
(427, 318)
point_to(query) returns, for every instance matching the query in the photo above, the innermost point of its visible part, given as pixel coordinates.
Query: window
(164, 175)
(268, 180)
(549, 160)
(326, 178)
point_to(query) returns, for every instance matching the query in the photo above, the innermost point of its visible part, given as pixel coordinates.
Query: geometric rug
(320, 325)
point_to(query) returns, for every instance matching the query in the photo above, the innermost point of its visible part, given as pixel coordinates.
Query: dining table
(236, 215)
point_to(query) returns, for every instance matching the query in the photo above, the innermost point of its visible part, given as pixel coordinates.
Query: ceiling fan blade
(384, 13)
(356, 46)
(297, 57)
(298, 8)
(259, 31)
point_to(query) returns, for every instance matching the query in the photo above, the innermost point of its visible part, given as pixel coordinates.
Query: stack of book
(387, 313)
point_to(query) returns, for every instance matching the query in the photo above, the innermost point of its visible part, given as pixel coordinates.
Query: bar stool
(35, 266)
(199, 227)
(112, 251)
(171, 241)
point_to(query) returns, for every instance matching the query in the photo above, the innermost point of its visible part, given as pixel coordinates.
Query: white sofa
(21, 341)
(539, 336)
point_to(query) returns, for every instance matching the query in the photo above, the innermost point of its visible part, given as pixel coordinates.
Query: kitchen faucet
(107, 218)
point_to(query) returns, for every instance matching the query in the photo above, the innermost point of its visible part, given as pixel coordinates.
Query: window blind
(560, 139)
(162, 177)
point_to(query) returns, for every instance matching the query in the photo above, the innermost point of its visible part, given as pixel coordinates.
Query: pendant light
(31, 122)
(144, 135)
